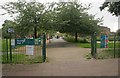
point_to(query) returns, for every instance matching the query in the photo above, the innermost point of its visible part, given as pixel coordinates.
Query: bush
(72, 39)
(83, 40)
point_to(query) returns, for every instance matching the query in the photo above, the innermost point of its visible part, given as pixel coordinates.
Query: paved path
(65, 59)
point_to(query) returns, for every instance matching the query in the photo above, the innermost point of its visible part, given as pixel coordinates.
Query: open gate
(23, 50)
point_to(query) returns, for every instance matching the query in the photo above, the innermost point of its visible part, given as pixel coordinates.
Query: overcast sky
(108, 20)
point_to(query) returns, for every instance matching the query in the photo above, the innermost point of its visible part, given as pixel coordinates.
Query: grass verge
(105, 54)
(86, 44)
(21, 59)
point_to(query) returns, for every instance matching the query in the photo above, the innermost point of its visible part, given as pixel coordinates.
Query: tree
(73, 18)
(113, 7)
(32, 16)
(7, 24)
(118, 32)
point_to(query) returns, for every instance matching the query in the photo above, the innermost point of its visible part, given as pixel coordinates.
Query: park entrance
(23, 50)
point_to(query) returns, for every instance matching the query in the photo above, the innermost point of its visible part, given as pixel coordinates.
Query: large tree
(74, 18)
(31, 16)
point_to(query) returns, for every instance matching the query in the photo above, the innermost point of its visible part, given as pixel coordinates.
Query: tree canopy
(32, 16)
(72, 17)
(113, 7)
(7, 24)
(66, 17)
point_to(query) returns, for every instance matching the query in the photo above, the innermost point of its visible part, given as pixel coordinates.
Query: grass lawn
(85, 44)
(88, 45)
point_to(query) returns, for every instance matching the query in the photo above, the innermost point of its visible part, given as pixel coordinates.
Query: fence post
(10, 49)
(114, 44)
(44, 48)
(7, 48)
(10, 30)
(93, 45)
(118, 45)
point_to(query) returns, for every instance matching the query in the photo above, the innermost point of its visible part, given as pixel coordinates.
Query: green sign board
(22, 41)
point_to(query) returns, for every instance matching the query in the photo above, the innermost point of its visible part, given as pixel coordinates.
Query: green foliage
(73, 17)
(80, 40)
(113, 7)
(31, 16)
(7, 24)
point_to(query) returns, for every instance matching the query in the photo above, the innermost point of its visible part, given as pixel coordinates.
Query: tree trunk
(35, 32)
(76, 40)
(35, 28)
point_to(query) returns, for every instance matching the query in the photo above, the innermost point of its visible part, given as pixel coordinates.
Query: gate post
(7, 48)
(10, 49)
(114, 44)
(10, 30)
(44, 48)
(93, 45)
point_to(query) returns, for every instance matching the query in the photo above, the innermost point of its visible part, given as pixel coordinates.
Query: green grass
(104, 54)
(88, 45)
(83, 45)
(3, 45)
(107, 53)
(21, 59)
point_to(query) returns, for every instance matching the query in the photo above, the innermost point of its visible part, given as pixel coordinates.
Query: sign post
(10, 30)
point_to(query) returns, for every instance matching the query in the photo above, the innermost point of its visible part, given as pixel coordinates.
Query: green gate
(23, 50)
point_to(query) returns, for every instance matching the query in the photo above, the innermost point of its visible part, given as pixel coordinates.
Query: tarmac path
(65, 59)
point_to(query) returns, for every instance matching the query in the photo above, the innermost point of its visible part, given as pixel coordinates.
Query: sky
(108, 20)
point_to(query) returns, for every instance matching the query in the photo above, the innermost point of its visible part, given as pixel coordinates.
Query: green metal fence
(110, 51)
(23, 50)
